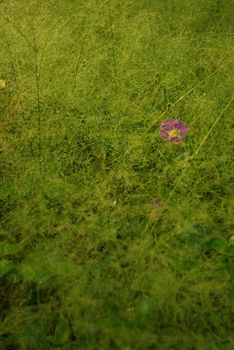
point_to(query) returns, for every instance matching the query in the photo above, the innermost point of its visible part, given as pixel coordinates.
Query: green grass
(86, 263)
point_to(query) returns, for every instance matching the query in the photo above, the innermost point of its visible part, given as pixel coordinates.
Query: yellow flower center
(174, 133)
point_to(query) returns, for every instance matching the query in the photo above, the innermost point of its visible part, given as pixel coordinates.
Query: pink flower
(173, 130)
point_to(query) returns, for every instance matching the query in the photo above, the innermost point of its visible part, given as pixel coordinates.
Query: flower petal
(170, 125)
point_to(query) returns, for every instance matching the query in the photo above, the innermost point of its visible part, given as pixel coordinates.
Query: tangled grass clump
(111, 238)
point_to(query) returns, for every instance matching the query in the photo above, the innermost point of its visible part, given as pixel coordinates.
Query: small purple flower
(155, 203)
(155, 206)
(173, 130)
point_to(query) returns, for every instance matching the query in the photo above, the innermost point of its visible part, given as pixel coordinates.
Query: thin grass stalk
(79, 57)
(12, 63)
(37, 78)
(112, 44)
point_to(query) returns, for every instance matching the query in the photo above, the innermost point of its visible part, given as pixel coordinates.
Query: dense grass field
(111, 237)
